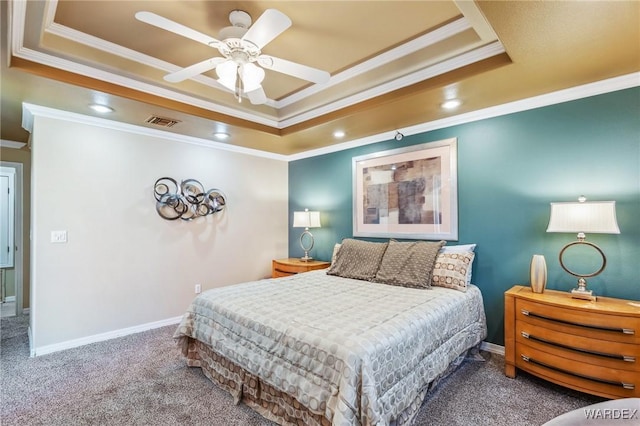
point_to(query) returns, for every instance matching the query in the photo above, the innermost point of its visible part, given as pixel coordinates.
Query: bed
(322, 348)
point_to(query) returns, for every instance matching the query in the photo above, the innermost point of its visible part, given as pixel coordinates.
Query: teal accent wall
(509, 169)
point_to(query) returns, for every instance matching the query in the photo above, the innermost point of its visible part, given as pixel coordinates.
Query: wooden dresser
(593, 347)
(291, 266)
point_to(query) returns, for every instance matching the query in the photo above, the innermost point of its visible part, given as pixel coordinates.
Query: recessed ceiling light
(338, 134)
(102, 109)
(221, 136)
(451, 104)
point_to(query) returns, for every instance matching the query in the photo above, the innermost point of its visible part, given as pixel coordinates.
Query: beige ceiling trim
(293, 118)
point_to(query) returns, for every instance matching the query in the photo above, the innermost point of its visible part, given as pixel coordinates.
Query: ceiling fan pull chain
(239, 87)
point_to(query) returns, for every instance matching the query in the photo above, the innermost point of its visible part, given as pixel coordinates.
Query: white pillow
(335, 252)
(458, 248)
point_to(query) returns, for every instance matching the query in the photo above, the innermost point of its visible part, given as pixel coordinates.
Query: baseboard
(43, 350)
(10, 299)
(492, 347)
(32, 352)
(26, 311)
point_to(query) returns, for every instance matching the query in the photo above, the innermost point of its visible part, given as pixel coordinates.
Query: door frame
(18, 255)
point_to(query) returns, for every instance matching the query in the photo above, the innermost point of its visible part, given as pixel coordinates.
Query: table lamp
(583, 217)
(306, 219)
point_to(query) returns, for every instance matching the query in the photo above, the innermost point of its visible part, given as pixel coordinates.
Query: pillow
(453, 270)
(357, 259)
(458, 248)
(408, 264)
(336, 247)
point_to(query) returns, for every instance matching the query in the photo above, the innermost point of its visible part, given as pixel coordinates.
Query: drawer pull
(626, 358)
(597, 327)
(623, 385)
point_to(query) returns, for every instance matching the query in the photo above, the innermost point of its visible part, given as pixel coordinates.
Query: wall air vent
(162, 121)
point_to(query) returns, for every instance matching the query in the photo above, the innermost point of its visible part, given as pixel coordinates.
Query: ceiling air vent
(162, 121)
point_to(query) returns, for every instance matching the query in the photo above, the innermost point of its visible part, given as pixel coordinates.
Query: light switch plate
(58, 236)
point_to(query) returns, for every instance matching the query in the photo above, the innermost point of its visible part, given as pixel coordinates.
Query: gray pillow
(408, 264)
(357, 259)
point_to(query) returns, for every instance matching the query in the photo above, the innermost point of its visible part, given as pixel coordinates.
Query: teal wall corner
(509, 169)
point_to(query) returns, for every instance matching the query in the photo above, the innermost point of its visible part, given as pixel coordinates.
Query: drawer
(276, 273)
(595, 324)
(590, 378)
(625, 356)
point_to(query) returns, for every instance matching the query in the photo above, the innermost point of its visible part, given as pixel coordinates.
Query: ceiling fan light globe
(252, 76)
(227, 71)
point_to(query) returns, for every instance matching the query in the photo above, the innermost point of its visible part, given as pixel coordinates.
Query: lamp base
(306, 249)
(580, 293)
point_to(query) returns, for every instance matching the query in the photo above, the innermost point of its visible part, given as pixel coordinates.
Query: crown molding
(566, 95)
(4, 143)
(405, 49)
(460, 61)
(30, 111)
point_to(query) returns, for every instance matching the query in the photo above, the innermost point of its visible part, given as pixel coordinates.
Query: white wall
(123, 265)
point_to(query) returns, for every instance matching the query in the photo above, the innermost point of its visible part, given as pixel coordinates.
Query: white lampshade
(306, 219)
(588, 217)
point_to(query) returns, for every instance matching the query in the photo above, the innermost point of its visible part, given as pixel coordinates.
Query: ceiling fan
(240, 46)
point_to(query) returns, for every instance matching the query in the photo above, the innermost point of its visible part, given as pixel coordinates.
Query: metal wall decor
(186, 201)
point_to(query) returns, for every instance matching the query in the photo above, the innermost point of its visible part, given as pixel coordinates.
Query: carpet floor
(142, 379)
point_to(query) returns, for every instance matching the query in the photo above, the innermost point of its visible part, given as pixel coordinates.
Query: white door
(7, 216)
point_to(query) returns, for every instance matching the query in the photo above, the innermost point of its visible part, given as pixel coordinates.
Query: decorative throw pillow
(408, 264)
(357, 259)
(453, 270)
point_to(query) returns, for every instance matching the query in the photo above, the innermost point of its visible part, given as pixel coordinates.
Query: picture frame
(409, 192)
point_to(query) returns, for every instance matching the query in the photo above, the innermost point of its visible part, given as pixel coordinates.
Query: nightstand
(592, 347)
(291, 266)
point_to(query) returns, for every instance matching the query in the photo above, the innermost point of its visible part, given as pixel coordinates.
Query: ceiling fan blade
(176, 28)
(304, 72)
(268, 26)
(193, 70)
(257, 96)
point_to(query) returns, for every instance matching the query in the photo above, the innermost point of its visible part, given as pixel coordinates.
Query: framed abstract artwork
(409, 192)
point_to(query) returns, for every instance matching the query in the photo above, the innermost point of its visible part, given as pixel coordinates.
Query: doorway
(11, 257)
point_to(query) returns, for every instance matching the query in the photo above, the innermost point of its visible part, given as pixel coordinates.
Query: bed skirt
(276, 405)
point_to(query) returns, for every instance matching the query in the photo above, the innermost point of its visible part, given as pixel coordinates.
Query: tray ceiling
(391, 63)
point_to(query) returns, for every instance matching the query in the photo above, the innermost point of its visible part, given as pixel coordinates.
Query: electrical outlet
(198, 288)
(58, 236)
